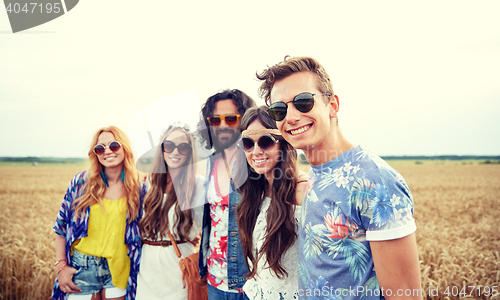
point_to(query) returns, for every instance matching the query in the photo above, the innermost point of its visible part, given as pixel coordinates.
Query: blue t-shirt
(350, 200)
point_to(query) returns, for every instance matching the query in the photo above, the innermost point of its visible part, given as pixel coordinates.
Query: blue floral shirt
(72, 230)
(351, 200)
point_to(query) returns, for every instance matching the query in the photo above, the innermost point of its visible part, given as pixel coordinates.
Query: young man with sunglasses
(356, 236)
(221, 257)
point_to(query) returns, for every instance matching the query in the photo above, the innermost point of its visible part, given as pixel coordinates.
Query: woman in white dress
(174, 189)
(269, 209)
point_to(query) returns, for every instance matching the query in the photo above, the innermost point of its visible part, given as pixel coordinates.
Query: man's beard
(229, 138)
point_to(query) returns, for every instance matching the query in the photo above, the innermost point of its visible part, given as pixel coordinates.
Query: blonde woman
(97, 228)
(174, 189)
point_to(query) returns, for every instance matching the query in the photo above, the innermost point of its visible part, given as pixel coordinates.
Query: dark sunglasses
(265, 142)
(231, 120)
(303, 102)
(169, 147)
(100, 149)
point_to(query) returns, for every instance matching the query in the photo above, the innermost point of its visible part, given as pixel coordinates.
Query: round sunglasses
(113, 146)
(265, 142)
(230, 119)
(169, 147)
(303, 102)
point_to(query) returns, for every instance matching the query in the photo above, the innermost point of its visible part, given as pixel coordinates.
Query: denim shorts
(92, 273)
(216, 294)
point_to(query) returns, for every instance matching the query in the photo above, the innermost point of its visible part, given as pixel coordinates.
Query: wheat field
(457, 208)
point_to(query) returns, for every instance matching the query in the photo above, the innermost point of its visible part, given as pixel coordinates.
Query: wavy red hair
(95, 186)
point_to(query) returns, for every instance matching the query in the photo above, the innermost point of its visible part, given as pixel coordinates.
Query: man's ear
(333, 106)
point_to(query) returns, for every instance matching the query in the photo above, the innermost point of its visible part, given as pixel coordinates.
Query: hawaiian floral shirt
(219, 213)
(351, 200)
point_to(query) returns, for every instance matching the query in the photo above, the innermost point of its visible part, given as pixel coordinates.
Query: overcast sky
(418, 78)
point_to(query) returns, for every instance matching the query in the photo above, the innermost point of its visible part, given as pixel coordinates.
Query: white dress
(159, 274)
(265, 285)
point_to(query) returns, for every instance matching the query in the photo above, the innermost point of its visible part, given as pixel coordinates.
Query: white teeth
(260, 160)
(175, 159)
(300, 130)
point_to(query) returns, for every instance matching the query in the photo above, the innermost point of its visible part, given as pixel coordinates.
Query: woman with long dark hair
(97, 230)
(174, 189)
(269, 209)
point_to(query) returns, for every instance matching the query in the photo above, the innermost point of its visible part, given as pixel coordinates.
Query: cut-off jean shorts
(92, 276)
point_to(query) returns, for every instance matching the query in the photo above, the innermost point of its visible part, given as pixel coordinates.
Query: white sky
(417, 78)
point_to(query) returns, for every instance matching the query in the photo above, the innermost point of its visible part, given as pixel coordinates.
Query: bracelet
(57, 273)
(57, 262)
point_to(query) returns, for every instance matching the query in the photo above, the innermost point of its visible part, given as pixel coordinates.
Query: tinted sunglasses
(100, 149)
(169, 147)
(231, 120)
(265, 142)
(303, 102)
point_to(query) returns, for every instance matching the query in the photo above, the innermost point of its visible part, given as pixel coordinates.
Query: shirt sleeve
(65, 213)
(389, 214)
(144, 191)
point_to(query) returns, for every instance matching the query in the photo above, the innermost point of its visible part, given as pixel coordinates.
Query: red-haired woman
(97, 228)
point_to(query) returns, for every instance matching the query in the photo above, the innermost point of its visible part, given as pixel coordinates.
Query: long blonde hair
(154, 223)
(95, 186)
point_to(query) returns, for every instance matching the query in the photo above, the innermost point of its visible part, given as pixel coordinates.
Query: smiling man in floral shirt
(356, 238)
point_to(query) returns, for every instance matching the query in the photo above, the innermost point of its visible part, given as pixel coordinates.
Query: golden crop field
(457, 209)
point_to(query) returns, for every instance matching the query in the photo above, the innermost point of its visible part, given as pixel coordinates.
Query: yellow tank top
(106, 238)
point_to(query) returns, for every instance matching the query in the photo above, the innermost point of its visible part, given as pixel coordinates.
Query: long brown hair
(280, 231)
(240, 99)
(154, 224)
(95, 186)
